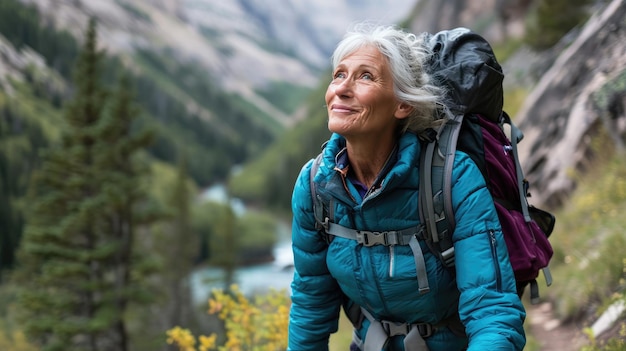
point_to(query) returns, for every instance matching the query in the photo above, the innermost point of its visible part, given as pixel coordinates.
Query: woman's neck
(368, 159)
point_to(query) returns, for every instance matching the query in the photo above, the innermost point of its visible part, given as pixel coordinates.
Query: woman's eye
(340, 75)
(366, 76)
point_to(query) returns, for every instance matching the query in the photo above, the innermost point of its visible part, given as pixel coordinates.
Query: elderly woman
(380, 99)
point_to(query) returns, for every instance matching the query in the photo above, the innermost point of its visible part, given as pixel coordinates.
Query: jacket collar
(396, 170)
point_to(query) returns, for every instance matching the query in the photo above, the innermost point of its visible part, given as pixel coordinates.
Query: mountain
(247, 47)
(202, 69)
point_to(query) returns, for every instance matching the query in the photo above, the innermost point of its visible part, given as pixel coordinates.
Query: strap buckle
(394, 328)
(368, 238)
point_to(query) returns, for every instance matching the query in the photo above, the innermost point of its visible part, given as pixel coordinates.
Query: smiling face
(360, 98)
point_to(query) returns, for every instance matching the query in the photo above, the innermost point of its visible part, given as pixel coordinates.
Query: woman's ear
(403, 110)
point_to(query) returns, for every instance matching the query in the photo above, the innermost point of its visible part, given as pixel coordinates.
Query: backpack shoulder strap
(314, 167)
(318, 206)
(435, 189)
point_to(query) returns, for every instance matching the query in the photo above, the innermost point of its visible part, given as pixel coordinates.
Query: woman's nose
(344, 87)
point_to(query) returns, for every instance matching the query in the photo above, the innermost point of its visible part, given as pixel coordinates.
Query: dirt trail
(550, 333)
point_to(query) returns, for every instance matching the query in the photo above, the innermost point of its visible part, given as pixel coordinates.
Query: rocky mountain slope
(245, 45)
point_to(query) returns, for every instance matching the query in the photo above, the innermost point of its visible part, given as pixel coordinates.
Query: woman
(378, 100)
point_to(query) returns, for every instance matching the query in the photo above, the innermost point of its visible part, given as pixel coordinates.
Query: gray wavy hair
(407, 54)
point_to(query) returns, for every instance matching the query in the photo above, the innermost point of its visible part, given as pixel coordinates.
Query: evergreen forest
(101, 171)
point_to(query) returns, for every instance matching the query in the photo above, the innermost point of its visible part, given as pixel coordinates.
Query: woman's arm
(315, 297)
(489, 306)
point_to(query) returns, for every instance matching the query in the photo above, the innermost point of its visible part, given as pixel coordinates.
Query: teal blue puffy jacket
(382, 279)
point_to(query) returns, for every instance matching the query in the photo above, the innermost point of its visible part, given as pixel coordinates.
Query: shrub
(257, 325)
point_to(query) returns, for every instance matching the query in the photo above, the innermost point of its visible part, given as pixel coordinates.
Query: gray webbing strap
(379, 332)
(406, 236)
(426, 188)
(547, 275)
(516, 135)
(420, 266)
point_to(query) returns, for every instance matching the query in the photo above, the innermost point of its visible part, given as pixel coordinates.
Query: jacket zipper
(494, 253)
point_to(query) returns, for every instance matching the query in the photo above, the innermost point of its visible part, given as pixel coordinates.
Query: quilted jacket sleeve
(316, 297)
(489, 307)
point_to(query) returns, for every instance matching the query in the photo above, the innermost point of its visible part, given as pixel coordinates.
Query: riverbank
(251, 279)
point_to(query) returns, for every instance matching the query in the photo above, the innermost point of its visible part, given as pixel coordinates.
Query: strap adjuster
(426, 330)
(326, 224)
(448, 257)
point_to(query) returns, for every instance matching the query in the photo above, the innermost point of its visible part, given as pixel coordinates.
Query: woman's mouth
(341, 108)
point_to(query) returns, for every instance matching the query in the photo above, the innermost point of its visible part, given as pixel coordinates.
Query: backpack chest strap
(371, 238)
(407, 236)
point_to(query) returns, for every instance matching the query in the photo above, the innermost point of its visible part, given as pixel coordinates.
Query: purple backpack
(465, 65)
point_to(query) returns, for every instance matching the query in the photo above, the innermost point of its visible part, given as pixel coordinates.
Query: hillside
(248, 48)
(198, 71)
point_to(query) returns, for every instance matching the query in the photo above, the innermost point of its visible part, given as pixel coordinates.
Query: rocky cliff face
(578, 88)
(582, 94)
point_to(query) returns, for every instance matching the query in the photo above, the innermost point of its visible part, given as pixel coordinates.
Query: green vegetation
(285, 96)
(506, 48)
(552, 19)
(198, 119)
(614, 344)
(20, 141)
(590, 246)
(513, 100)
(251, 235)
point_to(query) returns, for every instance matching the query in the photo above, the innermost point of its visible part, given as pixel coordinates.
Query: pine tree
(183, 247)
(176, 244)
(76, 256)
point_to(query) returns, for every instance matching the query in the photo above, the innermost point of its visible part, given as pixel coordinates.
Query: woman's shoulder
(464, 166)
(466, 176)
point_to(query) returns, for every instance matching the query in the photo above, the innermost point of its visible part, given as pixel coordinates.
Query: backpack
(466, 67)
